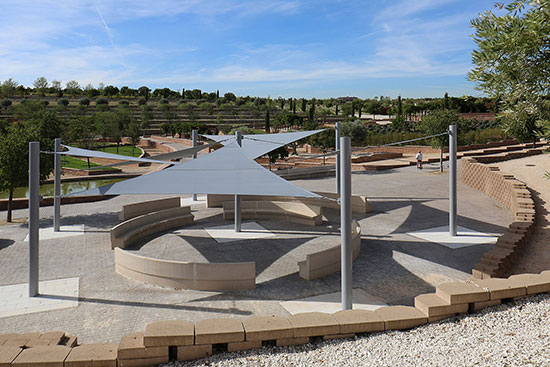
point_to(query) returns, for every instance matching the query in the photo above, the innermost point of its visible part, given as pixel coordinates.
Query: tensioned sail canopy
(72, 151)
(255, 146)
(226, 171)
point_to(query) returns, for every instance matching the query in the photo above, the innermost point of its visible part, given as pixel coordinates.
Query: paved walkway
(393, 266)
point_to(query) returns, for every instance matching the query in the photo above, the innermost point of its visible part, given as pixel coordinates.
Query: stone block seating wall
(126, 233)
(133, 210)
(515, 196)
(359, 203)
(186, 275)
(310, 215)
(184, 340)
(326, 262)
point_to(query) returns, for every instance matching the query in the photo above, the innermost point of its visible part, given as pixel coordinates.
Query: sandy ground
(531, 170)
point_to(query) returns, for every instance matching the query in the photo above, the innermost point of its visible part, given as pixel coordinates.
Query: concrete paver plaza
(392, 268)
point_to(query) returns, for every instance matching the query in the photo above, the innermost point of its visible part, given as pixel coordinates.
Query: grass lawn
(122, 150)
(76, 163)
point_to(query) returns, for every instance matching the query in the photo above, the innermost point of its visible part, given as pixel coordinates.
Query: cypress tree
(267, 122)
(304, 105)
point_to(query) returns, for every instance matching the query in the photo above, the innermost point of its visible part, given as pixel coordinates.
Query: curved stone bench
(322, 263)
(310, 215)
(136, 209)
(186, 275)
(359, 204)
(126, 233)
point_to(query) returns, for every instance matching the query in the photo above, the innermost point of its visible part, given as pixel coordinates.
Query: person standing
(419, 159)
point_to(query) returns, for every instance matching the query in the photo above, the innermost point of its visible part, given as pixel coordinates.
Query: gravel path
(515, 334)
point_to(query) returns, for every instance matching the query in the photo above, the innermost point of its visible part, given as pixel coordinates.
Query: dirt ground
(536, 254)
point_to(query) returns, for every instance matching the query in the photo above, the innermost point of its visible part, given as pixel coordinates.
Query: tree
(304, 104)
(511, 63)
(105, 125)
(267, 122)
(8, 87)
(133, 132)
(81, 130)
(14, 159)
(72, 87)
(56, 88)
(144, 92)
(41, 84)
(438, 122)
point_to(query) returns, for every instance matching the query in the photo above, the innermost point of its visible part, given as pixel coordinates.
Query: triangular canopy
(226, 171)
(72, 151)
(255, 146)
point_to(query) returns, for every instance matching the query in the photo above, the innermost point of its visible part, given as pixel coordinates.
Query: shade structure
(255, 146)
(72, 151)
(226, 171)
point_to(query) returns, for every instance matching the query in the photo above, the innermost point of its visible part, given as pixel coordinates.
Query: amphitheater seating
(310, 215)
(186, 275)
(322, 263)
(133, 210)
(126, 233)
(359, 203)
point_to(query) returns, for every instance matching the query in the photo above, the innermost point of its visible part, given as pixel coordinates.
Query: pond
(66, 188)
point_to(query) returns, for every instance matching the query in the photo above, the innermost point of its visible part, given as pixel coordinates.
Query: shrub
(124, 103)
(84, 102)
(142, 101)
(63, 102)
(101, 101)
(164, 101)
(6, 103)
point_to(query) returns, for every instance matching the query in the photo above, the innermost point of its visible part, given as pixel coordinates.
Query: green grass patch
(127, 150)
(77, 163)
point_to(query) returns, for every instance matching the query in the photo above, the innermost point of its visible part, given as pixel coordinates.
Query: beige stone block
(167, 333)
(247, 345)
(20, 340)
(431, 305)
(477, 306)
(69, 341)
(267, 328)
(401, 317)
(93, 355)
(501, 288)
(49, 338)
(215, 331)
(358, 321)
(438, 318)
(8, 354)
(314, 324)
(286, 342)
(43, 356)
(132, 347)
(458, 292)
(191, 352)
(338, 336)
(534, 283)
(142, 362)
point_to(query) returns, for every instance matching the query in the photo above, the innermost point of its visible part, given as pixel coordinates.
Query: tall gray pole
(57, 187)
(452, 180)
(194, 137)
(34, 205)
(237, 197)
(345, 221)
(337, 148)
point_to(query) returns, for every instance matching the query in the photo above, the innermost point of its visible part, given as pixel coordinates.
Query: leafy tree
(81, 130)
(279, 153)
(512, 64)
(105, 125)
(356, 130)
(41, 84)
(56, 88)
(133, 132)
(438, 122)
(72, 87)
(144, 92)
(267, 126)
(8, 87)
(111, 91)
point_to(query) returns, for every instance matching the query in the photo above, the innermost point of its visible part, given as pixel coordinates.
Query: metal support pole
(237, 197)
(57, 187)
(34, 205)
(452, 180)
(345, 222)
(194, 137)
(337, 148)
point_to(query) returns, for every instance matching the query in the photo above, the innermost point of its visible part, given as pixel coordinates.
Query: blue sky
(288, 48)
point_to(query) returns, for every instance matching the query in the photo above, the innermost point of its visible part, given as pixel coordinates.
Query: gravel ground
(514, 334)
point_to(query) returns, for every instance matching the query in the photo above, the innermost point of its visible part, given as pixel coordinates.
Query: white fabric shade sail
(78, 152)
(256, 145)
(228, 170)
